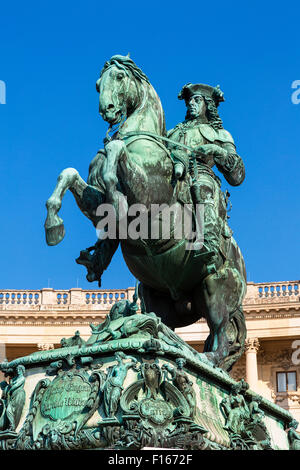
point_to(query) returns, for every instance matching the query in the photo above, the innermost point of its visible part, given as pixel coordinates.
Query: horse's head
(119, 88)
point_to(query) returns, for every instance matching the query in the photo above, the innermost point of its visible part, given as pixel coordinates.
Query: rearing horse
(174, 282)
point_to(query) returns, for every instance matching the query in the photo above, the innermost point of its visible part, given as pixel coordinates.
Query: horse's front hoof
(55, 234)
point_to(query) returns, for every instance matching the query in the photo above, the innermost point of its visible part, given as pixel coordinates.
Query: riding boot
(210, 249)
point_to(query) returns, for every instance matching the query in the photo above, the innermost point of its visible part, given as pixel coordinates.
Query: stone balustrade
(20, 298)
(76, 298)
(272, 292)
(101, 299)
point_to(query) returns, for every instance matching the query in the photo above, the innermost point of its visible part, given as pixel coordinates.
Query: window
(286, 381)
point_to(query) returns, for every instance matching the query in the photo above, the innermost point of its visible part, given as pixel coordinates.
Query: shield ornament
(65, 400)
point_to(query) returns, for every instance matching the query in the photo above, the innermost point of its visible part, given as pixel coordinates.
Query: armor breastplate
(194, 135)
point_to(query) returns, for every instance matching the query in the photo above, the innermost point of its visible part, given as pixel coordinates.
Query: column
(3, 357)
(252, 346)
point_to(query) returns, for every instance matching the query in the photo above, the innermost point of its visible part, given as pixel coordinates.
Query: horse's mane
(126, 64)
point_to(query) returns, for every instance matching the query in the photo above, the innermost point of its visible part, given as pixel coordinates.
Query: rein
(160, 137)
(176, 145)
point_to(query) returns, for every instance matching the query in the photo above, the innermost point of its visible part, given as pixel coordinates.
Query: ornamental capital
(252, 345)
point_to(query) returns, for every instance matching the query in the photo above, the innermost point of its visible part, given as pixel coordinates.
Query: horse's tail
(236, 333)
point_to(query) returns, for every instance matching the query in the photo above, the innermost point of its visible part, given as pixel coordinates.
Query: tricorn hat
(207, 91)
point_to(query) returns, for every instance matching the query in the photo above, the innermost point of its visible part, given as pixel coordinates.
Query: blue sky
(51, 56)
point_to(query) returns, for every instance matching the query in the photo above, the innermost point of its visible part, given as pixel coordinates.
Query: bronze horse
(174, 282)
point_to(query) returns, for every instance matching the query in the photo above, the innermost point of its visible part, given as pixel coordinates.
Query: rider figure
(203, 132)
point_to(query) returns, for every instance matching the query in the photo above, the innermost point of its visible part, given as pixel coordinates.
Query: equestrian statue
(182, 278)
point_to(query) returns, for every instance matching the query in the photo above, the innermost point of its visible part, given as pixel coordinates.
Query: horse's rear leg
(221, 295)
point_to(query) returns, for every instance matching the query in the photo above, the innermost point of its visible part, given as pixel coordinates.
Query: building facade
(36, 320)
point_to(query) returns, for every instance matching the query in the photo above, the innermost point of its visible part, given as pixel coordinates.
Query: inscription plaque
(157, 411)
(66, 396)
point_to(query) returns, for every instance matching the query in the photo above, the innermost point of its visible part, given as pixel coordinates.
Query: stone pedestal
(144, 388)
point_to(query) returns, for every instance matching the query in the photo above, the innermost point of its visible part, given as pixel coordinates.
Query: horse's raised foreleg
(54, 227)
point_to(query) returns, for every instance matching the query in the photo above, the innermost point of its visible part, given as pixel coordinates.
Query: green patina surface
(163, 394)
(142, 163)
(195, 361)
(65, 397)
(210, 397)
(135, 383)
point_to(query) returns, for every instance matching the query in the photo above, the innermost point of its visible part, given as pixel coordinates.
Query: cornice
(37, 320)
